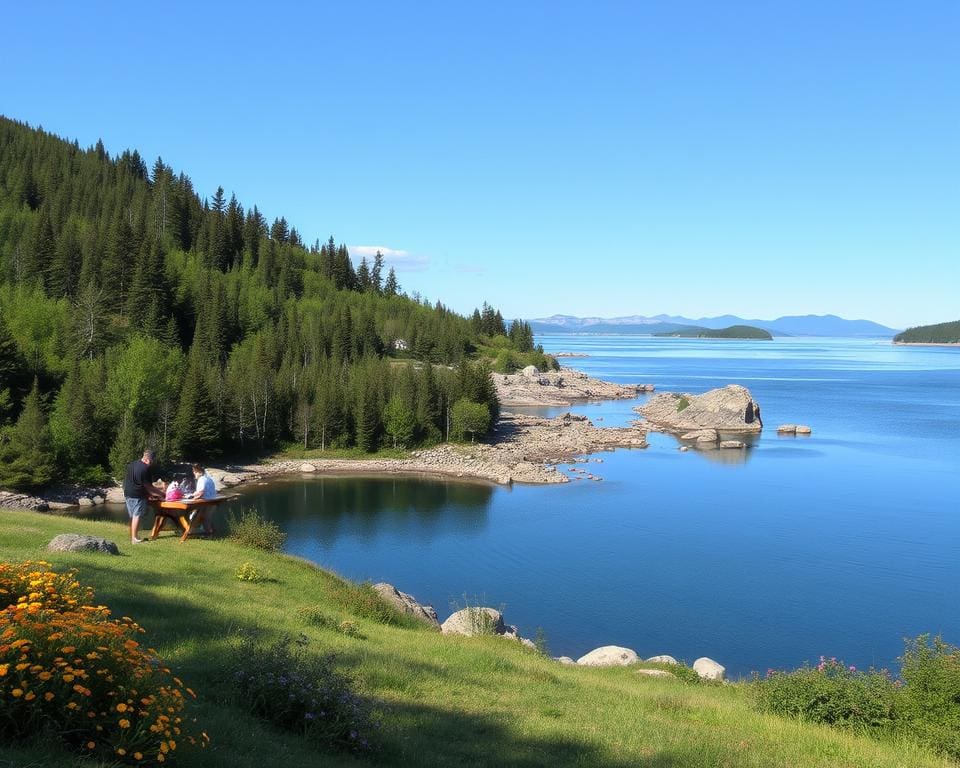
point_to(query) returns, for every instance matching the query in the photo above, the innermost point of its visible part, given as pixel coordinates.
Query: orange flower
(124, 723)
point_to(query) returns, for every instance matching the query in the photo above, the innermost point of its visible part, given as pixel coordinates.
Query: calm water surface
(841, 543)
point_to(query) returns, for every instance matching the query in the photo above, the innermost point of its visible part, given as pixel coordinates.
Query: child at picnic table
(206, 489)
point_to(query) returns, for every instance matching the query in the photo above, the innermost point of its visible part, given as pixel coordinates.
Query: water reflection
(324, 509)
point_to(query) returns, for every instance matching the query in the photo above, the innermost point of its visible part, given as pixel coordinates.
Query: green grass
(297, 452)
(445, 701)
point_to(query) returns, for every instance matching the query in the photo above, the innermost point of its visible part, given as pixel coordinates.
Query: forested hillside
(941, 333)
(132, 310)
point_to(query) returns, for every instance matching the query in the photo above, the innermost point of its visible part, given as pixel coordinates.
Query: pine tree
(26, 449)
(14, 370)
(73, 424)
(376, 274)
(195, 428)
(363, 275)
(128, 445)
(391, 287)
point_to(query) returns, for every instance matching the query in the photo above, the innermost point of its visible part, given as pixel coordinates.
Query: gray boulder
(787, 429)
(609, 656)
(803, 429)
(708, 669)
(478, 621)
(407, 604)
(80, 542)
(115, 496)
(565, 660)
(735, 444)
(84, 501)
(727, 409)
(664, 659)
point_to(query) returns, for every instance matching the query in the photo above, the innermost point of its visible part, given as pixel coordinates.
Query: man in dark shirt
(137, 488)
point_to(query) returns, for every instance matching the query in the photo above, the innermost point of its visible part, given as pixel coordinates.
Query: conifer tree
(26, 449)
(127, 446)
(391, 287)
(195, 428)
(376, 274)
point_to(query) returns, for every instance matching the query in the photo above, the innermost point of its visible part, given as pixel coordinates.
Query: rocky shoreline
(472, 621)
(521, 448)
(565, 387)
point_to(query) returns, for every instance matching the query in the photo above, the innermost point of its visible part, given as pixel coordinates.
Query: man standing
(137, 488)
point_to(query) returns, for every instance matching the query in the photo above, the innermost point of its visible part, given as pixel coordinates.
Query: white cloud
(402, 261)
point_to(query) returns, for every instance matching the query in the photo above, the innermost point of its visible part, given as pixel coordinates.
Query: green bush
(830, 693)
(300, 692)
(923, 706)
(682, 403)
(250, 572)
(928, 701)
(251, 529)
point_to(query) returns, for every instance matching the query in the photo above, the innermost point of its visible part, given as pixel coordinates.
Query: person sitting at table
(206, 489)
(174, 493)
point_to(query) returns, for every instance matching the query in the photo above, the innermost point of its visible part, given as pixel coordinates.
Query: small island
(733, 332)
(941, 333)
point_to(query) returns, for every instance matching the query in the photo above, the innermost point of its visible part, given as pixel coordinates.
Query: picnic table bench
(180, 512)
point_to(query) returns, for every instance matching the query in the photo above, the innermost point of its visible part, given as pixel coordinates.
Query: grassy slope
(448, 701)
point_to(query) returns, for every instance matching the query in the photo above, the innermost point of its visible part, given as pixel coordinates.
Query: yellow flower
(17, 693)
(68, 649)
(30, 696)
(68, 678)
(4, 668)
(48, 696)
(121, 751)
(121, 707)
(124, 723)
(91, 744)
(45, 676)
(138, 755)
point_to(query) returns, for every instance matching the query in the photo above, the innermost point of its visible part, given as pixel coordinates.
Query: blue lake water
(841, 543)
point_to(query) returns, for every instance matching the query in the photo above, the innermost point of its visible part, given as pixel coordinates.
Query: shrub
(316, 616)
(928, 702)
(830, 693)
(251, 529)
(350, 629)
(300, 692)
(682, 404)
(81, 675)
(250, 572)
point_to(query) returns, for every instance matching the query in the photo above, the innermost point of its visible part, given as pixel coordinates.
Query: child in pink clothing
(173, 491)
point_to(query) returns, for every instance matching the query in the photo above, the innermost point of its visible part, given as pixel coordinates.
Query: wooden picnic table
(179, 512)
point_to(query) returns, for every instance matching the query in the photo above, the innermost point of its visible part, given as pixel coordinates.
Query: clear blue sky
(758, 158)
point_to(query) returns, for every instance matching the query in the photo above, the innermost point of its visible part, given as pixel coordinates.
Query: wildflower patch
(67, 667)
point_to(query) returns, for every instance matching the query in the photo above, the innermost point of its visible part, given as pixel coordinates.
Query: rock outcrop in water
(729, 409)
(563, 387)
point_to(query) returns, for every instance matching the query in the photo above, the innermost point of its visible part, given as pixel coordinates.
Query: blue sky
(757, 158)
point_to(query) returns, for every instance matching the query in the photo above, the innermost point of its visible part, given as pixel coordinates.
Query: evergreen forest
(134, 311)
(941, 333)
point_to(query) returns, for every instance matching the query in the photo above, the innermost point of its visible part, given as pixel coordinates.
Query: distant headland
(941, 334)
(733, 332)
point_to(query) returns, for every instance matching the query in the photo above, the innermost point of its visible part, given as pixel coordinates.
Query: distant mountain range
(789, 325)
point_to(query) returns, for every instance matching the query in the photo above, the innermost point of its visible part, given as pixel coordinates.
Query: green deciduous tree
(468, 418)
